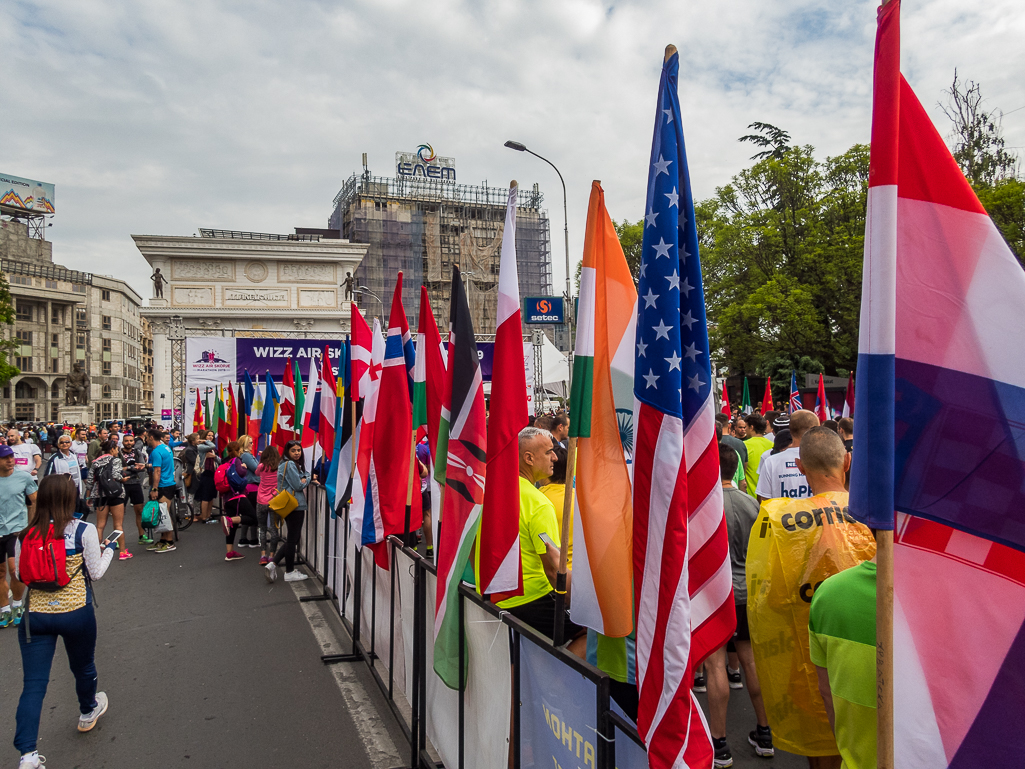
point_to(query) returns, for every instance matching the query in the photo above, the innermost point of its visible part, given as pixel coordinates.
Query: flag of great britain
(679, 529)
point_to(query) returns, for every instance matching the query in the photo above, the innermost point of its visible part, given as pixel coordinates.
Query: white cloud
(161, 117)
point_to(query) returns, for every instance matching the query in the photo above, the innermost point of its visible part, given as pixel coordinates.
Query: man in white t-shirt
(80, 448)
(27, 456)
(778, 475)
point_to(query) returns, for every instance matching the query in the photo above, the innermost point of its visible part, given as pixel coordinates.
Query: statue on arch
(158, 284)
(77, 387)
(349, 284)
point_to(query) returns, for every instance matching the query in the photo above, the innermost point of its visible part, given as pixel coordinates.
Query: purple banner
(260, 356)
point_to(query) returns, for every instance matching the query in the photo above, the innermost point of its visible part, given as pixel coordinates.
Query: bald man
(778, 474)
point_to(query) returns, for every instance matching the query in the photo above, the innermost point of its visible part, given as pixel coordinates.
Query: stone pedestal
(74, 415)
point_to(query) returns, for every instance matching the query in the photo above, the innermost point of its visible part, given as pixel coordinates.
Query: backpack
(43, 564)
(227, 478)
(151, 515)
(110, 486)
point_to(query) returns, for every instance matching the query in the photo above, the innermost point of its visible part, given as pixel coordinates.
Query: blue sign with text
(544, 309)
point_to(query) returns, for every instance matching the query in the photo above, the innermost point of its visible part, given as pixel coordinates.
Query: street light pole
(519, 147)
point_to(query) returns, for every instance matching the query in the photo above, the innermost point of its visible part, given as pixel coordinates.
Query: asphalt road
(205, 665)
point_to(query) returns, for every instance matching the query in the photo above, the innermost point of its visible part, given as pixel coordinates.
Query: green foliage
(978, 141)
(7, 371)
(782, 249)
(630, 238)
(1005, 203)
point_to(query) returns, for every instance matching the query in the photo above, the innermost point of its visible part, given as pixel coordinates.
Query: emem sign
(424, 163)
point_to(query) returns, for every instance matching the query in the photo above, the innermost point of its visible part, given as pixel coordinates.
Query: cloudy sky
(163, 116)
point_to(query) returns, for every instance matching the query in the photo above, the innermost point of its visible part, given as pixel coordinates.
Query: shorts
(167, 492)
(540, 615)
(743, 633)
(134, 494)
(110, 501)
(7, 544)
(206, 491)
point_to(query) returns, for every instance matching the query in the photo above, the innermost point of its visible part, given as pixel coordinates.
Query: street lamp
(365, 290)
(520, 147)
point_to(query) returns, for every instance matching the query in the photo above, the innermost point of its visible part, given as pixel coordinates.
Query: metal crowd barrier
(423, 706)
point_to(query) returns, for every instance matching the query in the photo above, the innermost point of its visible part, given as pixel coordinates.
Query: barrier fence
(564, 718)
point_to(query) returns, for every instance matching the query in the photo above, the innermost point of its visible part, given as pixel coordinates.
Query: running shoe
(295, 576)
(154, 545)
(723, 758)
(254, 543)
(87, 721)
(144, 540)
(125, 555)
(761, 740)
(233, 555)
(5, 618)
(699, 683)
(733, 676)
(17, 612)
(264, 560)
(166, 547)
(31, 760)
(226, 525)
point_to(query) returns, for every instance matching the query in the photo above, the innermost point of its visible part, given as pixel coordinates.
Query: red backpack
(43, 564)
(227, 479)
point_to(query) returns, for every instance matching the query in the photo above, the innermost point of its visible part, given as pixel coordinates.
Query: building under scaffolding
(422, 227)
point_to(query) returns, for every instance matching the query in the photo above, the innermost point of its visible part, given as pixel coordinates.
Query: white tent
(554, 370)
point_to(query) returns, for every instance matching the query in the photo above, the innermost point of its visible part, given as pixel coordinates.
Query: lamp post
(520, 147)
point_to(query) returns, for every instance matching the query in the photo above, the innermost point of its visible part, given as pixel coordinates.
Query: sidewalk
(206, 666)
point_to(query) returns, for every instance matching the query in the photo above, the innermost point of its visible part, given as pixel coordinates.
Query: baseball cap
(6, 451)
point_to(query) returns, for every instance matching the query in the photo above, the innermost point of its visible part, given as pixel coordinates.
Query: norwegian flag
(683, 591)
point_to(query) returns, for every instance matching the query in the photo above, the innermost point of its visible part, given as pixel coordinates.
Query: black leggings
(243, 510)
(287, 550)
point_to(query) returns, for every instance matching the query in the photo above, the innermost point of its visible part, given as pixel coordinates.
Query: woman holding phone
(65, 613)
(107, 490)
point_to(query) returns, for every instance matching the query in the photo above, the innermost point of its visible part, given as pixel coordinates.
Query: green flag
(300, 399)
(745, 403)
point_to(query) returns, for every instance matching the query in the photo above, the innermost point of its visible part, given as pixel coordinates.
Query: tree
(978, 142)
(631, 236)
(7, 314)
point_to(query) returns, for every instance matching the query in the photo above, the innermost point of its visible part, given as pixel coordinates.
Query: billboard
(209, 359)
(262, 356)
(425, 164)
(544, 309)
(26, 194)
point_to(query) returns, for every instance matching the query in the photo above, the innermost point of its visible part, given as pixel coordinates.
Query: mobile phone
(114, 536)
(547, 540)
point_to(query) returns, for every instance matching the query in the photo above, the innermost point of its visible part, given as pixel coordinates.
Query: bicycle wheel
(182, 513)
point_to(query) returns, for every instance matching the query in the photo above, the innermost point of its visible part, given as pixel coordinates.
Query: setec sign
(425, 164)
(544, 309)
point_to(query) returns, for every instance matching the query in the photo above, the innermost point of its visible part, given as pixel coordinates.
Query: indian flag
(601, 404)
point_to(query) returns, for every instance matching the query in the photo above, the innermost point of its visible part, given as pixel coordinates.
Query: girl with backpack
(230, 481)
(267, 472)
(106, 491)
(250, 534)
(60, 604)
(293, 478)
(207, 462)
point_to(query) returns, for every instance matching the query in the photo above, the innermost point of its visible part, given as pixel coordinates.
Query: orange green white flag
(601, 402)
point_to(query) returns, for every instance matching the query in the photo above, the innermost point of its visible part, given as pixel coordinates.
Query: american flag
(679, 528)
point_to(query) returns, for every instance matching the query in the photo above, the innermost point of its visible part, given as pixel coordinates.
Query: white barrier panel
(339, 530)
(488, 698)
(405, 586)
(442, 702)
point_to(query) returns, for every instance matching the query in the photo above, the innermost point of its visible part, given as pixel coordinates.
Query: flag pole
(567, 516)
(884, 647)
(409, 487)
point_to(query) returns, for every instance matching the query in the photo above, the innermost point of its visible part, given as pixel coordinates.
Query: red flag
(232, 414)
(821, 405)
(197, 417)
(362, 347)
(767, 398)
(328, 407)
(848, 401)
(726, 402)
(499, 570)
(286, 414)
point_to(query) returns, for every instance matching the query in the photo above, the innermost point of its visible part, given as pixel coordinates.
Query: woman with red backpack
(230, 481)
(57, 557)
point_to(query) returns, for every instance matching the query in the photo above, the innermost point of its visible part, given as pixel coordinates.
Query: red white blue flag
(795, 395)
(940, 436)
(683, 590)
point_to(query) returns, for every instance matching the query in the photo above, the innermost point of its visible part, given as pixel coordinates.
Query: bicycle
(181, 507)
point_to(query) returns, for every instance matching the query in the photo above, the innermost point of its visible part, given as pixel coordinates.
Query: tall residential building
(422, 222)
(64, 317)
(146, 368)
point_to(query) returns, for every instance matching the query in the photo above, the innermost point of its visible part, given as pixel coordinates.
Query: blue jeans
(78, 629)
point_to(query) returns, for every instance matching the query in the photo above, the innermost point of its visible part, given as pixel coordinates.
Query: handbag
(283, 503)
(166, 524)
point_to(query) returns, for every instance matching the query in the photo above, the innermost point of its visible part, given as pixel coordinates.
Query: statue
(77, 387)
(158, 284)
(349, 283)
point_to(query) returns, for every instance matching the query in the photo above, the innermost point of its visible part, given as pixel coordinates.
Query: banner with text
(260, 356)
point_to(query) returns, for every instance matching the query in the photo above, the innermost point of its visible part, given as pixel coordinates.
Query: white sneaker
(295, 576)
(88, 720)
(271, 571)
(31, 761)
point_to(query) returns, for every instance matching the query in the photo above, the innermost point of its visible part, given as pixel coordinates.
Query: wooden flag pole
(884, 647)
(567, 517)
(352, 467)
(409, 487)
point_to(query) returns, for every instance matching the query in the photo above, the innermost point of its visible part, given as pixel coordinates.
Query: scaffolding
(423, 227)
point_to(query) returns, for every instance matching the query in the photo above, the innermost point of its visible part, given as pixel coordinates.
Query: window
(105, 296)
(55, 390)
(81, 318)
(106, 368)
(55, 340)
(24, 311)
(55, 316)
(24, 391)
(50, 284)
(54, 412)
(23, 362)
(21, 280)
(55, 365)
(106, 322)
(106, 392)
(79, 289)
(25, 337)
(80, 345)
(24, 412)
